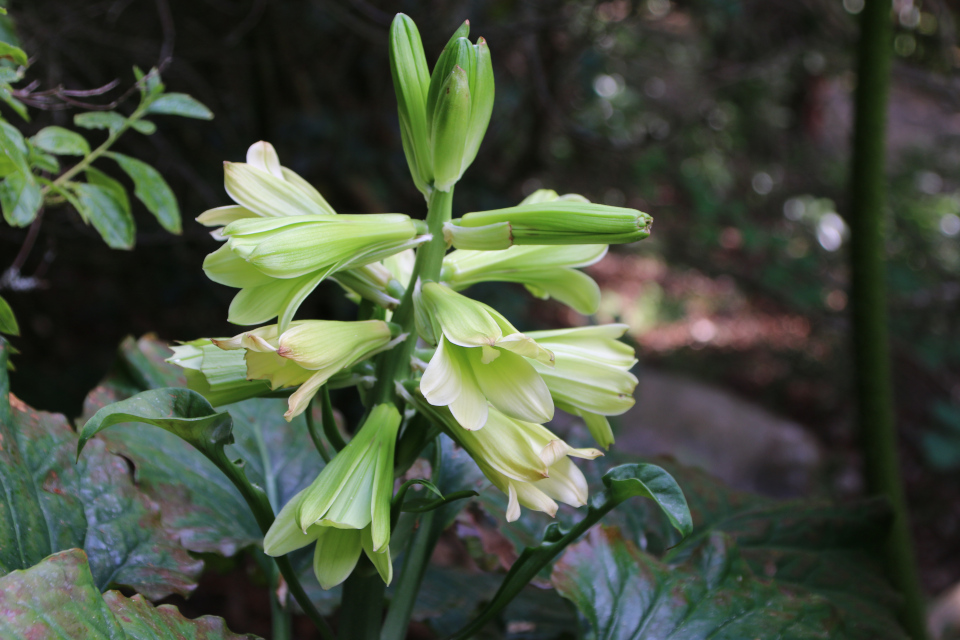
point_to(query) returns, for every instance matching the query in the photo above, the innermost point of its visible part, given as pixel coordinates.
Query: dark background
(727, 120)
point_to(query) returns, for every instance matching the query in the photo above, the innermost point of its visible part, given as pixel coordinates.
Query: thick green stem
(869, 303)
(362, 608)
(394, 364)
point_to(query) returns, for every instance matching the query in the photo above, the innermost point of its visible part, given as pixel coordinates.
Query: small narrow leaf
(8, 321)
(180, 104)
(11, 52)
(100, 120)
(61, 141)
(145, 127)
(20, 199)
(152, 190)
(109, 217)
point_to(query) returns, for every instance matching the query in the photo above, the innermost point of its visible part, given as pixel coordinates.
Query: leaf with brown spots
(50, 504)
(58, 599)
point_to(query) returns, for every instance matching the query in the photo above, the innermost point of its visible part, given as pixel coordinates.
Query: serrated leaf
(16, 54)
(20, 198)
(61, 141)
(145, 127)
(53, 504)
(110, 120)
(8, 321)
(58, 600)
(152, 190)
(102, 207)
(625, 594)
(180, 104)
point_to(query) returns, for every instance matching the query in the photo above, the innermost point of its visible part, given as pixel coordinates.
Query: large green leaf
(58, 599)
(152, 190)
(195, 497)
(20, 198)
(621, 483)
(625, 594)
(51, 504)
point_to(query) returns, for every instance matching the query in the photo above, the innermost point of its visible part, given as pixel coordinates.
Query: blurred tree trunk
(871, 350)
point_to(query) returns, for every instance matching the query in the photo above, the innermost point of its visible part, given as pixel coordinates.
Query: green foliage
(625, 594)
(8, 321)
(58, 599)
(53, 504)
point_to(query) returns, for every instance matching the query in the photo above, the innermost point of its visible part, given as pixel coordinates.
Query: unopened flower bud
(548, 223)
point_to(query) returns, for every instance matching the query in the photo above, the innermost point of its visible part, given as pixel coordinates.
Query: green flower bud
(548, 223)
(411, 81)
(546, 271)
(450, 127)
(443, 115)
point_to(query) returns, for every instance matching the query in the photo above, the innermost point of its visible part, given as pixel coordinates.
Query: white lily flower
(591, 374)
(308, 354)
(480, 357)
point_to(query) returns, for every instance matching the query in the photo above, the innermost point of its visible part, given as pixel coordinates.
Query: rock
(739, 442)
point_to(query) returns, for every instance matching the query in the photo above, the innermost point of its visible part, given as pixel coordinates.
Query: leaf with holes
(53, 504)
(58, 599)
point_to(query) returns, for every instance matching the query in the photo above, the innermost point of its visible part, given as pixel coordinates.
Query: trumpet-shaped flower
(546, 271)
(219, 376)
(262, 188)
(480, 357)
(591, 374)
(308, 353)
(526, 461)
(277, 262)
(283, 239)
(347, 507)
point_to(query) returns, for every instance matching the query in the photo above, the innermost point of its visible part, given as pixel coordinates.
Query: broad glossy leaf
(195, 497)
(152, 190)
(625, 594)
(8, 321)
(110, 120)
(180, 104)
(58, 599)
(54, 504)
(622, 482)
(61, 141)
(20, 198)
(102, 207)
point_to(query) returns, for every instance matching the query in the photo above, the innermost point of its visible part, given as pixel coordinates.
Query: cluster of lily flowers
(488, 386)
